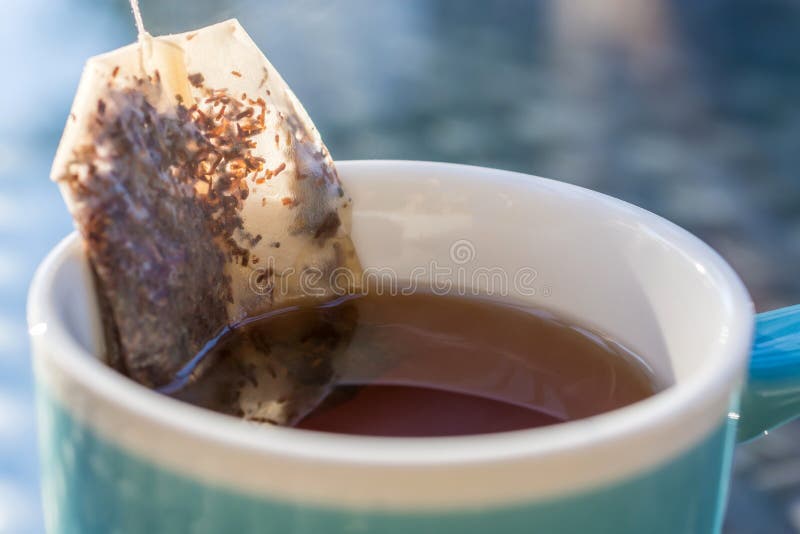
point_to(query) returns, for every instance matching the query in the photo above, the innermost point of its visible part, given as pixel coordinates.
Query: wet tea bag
(204, 196)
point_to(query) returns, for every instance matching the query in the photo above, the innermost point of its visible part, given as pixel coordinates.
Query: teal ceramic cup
(117, 457)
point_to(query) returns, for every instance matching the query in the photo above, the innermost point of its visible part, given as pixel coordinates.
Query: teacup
(117, 457)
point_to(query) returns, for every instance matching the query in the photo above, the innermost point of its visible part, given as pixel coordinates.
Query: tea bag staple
(202, 192)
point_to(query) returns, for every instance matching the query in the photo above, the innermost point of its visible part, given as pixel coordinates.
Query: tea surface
(421, 365)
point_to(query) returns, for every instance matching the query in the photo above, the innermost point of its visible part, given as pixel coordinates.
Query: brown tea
(418, 365)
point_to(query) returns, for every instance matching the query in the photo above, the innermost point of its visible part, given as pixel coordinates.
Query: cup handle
(771, 396)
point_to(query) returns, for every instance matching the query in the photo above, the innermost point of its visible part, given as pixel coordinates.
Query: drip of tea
(420, 365)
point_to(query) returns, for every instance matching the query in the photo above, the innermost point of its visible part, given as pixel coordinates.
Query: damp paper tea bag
(204, 195)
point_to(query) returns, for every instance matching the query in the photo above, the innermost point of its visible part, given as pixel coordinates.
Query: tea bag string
(144, 38)
(137, 17)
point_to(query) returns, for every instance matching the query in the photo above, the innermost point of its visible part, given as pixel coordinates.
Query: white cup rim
(717, 374)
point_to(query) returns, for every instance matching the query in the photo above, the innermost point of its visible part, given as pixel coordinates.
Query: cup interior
(601, 262)
(608, 265)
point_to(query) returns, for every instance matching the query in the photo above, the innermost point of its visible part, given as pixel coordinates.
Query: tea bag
(204, 195)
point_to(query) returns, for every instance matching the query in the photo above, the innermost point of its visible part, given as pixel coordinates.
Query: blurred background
(689, 108)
